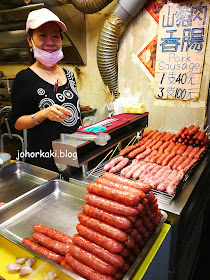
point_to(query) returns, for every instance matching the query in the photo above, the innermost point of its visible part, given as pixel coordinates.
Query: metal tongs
(100, 139)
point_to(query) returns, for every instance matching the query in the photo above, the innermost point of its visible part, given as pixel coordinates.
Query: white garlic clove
(14, 267)
(21, 260)
(25, 270)
(30, 262)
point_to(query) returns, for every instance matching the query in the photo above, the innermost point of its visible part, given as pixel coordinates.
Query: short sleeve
(20, 98)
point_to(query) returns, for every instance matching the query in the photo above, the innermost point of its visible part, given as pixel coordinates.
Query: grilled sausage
(110, 205)
(194, 130)
(51, 244)
(163, 146)
(193, 152)
(170, 147)
(137, 151)
(52, 233)
(157, 145)
(197, 155)
(173, 160)
(114, 259)
(104, 216)
(42, 250)
(188, 129)
(113, 194)
(187, 151)
(127, 150)
(64, 264)
(167, 159)
(92, 260)
(135, 184)
(102, 228)
(178, 162)
(84, 270)
(107, 243)
(181, 149)
(146, 133)
(104, 181)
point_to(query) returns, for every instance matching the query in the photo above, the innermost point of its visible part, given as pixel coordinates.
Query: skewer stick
(206, 127)
(99, 163)
(131, 140)
(114, 150)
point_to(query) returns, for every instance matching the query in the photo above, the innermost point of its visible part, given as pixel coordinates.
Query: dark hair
(31, 57)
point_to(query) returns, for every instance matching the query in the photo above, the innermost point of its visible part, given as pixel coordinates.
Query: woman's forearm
(26, 122)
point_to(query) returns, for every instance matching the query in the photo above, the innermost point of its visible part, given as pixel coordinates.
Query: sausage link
(137, 151)
(152, 144)
(176, 148)
(179, 162)
(146, 133)
(42, 250)
(91, 260)
(51, 244)
(205, 140)
(142, 142)
(188, 129)
(135, 184)
(115, 194)
(170, 147)
(127, 150)
(179, 133)
(163, 146)
(158, 133)
(64, 264)
(194, 130)
(170, 137)
(173, 160)
(167, 159)
(119, 166)
(110, 205)
(114, 259)
(109, 218)
(162, 157)
(159, 137)
(195, 137)
(155, 157)
(84, 270)
(168, 134)
(112, 163)
(187, 151)
(157, 145)
(193, 152)
(184, 164)
(102, 228)
(104, 181)
(107, 243)
(52, 233)
(181, 149)
(197, 155)
(152, 133)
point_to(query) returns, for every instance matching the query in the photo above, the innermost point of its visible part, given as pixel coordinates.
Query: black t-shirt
(30, 93)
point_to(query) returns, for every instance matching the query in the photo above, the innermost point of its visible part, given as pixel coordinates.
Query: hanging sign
(180, 53)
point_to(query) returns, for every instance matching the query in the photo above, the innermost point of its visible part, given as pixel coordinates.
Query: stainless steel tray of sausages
(18, 178)
(56, 204)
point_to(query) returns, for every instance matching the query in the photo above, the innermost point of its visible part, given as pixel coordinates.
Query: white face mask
(47, 58)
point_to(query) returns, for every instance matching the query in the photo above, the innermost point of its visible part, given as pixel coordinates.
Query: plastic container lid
(41, 272)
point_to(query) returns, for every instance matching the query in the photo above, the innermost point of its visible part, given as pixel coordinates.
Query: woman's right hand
(56, 113)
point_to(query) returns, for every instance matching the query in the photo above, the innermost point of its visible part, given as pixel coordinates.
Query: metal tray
(19, 178)
(56, 204)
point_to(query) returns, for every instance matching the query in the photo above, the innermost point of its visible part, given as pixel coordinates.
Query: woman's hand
(56, 113)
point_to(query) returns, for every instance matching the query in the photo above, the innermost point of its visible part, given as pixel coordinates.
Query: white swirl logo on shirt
(73, 118)
(40, 91)
(68, 94)
(60, 97)
(45, 103)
